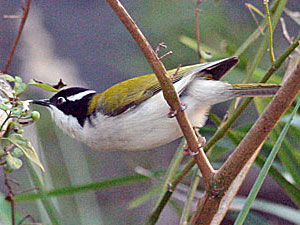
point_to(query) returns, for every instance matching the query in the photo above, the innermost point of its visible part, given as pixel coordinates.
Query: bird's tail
(252, 90)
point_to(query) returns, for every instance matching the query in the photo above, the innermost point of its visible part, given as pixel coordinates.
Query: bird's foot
(201, 141)
(173, 113)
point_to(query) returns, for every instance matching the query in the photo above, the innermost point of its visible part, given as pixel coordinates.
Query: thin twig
(197, 12)
(10, 195)
(191, 194)
(285, 32)
(286, 35)
(271, 50)
(256, 33)
(168, 89)
(25, 218)
(10, 198)
(280, 4)
(251, 9)
(13, 49)
(173, 76)
(28, 190)
(160, 45)
(165, 55)
(9, 17)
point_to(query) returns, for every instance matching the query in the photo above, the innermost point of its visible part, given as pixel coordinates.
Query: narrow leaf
(114, 182)
(262, 175)
(252, 7)
(145, 197)
(191, 43)
(44, 86)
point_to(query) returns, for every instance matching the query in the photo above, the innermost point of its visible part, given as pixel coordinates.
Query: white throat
(67, 123)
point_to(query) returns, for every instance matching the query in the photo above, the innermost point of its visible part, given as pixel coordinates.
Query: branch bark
(22, 24)
(209, 210)
(168, 89)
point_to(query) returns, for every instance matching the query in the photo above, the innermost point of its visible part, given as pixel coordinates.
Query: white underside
(148, 125)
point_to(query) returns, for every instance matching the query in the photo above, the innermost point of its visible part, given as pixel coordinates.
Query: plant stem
(168, 89)
(13, 49)
(271, 50)
(263, 173)
(222, 131)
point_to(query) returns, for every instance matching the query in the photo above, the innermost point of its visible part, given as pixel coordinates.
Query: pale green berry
(35, 115)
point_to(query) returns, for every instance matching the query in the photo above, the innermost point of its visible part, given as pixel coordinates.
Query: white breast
(148, 126)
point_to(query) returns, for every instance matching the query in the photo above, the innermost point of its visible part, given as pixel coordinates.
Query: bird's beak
(44, 102)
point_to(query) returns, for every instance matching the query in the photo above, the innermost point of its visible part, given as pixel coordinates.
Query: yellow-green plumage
(134, 92)
(133, 114)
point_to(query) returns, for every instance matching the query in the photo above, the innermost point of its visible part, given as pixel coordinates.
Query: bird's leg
(201, 141)
(173, 113)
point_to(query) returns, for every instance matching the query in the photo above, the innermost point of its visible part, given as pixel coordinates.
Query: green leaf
(20, 88)
(18, 79)
(16, 110)
(114, 182)
(7, 77)
(46, 87)
(252, 218)
(288, 155)
(17, 153)
(22, 143)
(4, 107)
(145, 197)
(5, 212)
(12, 163)
(191, 43)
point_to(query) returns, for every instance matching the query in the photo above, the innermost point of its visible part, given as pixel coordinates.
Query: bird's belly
(146, 127)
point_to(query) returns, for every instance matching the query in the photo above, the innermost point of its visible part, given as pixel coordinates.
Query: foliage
(13, 144)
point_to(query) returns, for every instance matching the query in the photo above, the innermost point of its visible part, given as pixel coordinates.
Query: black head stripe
(74, 104)
(67, 93)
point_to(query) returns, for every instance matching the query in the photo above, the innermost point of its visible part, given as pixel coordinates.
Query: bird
(133, 115)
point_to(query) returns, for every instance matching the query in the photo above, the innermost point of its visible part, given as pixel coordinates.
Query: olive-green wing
(132, 92)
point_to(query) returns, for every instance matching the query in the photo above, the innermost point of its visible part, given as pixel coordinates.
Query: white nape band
(80, 95)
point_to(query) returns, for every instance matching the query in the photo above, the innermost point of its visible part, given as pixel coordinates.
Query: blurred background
(85, 44)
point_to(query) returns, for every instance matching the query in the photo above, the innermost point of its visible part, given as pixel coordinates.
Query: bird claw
(173, 113)
(201, 141)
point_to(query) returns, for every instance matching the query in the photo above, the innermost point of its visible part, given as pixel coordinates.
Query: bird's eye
(60, 100)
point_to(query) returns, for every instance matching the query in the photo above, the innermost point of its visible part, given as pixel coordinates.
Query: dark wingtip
(44, 102)
(220, 69)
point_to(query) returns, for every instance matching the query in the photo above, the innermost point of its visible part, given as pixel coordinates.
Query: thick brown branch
(13, 49)
(248, 147)
(168, 89)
